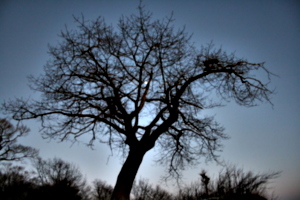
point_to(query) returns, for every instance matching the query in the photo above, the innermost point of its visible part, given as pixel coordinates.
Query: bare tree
(231, 183)
(9, 149)
(160, 194)
(143, 190)
(102, 191)
(193, 191)
(15, 182)
(205, 181)
(235, 182)
(139, 86)
(64, 177)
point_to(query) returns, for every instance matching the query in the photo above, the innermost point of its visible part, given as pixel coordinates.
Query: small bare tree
(10, 150)
(140, 86)
(101, 190)
(58, 174)
(205, 181)
(233, 181)
(143, 190)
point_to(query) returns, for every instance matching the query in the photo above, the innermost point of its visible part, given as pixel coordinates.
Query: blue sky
(263, 138)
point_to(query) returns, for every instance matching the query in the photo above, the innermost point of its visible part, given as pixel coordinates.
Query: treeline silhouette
(61, 180)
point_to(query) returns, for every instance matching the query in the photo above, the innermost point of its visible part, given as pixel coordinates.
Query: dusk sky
(262, 138)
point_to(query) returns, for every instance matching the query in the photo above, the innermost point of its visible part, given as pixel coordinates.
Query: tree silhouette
(9, 149)
(205, 181)
(139, 86)
(102, 191)
(231, 183)
(52, 179)
(143, 190)
(59, 179)
(15, 182)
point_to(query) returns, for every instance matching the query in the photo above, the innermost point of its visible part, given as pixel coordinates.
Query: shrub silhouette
(232, 184)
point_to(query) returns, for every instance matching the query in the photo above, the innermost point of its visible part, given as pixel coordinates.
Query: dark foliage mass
(60, 180)
(136, 86)
(15, 182)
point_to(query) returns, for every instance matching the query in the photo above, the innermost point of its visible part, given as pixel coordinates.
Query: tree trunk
(127, 174)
